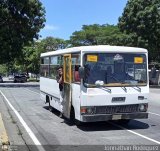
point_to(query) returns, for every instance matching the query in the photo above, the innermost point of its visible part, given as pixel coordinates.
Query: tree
(52, 44)
(86, 36)
(100, 35)
(30, 57)
(3, 70)
(142, 19)
(20, 22)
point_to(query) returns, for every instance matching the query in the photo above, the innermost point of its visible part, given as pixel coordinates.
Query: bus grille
(117, 109)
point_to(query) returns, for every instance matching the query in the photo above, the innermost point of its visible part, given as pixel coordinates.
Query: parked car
(11, 77)
(1, 79)
(20, 78)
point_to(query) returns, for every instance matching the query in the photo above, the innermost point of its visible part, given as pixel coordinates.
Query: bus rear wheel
(49, 105)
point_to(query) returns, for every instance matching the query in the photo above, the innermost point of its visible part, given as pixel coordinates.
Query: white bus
(113, 84)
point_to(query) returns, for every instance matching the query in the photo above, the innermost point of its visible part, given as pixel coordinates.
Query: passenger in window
(76, 74)
(61, 82)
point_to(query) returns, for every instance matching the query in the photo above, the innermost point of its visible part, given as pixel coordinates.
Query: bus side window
(55, 62)
(76, 74)
(44, 70)
(75, 67)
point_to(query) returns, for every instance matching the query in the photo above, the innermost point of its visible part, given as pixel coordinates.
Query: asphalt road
(29, 122)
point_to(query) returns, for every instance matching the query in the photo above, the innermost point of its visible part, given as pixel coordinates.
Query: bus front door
(67, 85)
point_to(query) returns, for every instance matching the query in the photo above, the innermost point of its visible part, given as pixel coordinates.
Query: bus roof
(97, 48)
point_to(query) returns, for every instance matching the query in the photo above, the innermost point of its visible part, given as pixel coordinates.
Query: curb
(4, 141)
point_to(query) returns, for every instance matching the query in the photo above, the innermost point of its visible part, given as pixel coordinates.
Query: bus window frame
(73, 67)
(48, 65)
(112, 84)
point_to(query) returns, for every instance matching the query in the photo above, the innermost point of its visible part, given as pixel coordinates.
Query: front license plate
(116, 117)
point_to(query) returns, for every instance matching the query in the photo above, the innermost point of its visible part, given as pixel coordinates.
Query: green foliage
(20, 22)
(29, 61)
(52, 44)
(30, 58)
(142, 19)
(3, 69)
(87, 36)
(100, 35)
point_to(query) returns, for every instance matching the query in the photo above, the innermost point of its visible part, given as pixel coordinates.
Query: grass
(33, 80)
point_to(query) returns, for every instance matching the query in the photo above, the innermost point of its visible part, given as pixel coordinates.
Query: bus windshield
(115, 69)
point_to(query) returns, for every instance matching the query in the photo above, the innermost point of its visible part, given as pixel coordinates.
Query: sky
(63, 17)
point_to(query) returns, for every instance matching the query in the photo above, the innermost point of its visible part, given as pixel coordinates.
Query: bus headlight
(90, 110)
(143, 107)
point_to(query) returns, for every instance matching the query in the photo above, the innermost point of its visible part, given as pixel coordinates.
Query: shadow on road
(57, 113)
(102, 126)
(51, 109)
(113, 125)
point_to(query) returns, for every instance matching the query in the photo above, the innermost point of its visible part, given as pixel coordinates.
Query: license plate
(116, 117)
(118, 99)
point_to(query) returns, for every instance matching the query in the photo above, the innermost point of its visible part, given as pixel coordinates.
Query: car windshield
(115, 69)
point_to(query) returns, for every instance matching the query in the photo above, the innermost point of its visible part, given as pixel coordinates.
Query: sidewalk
(12, 134)
(4, 141)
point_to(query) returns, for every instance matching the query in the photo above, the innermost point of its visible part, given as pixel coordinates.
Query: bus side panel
(76, 99)
(50, 87)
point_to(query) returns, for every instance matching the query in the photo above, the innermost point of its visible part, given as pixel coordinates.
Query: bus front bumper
(107, 117)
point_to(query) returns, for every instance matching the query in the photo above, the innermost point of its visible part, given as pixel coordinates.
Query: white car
(11, 77)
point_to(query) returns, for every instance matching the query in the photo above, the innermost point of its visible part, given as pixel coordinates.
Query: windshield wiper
(108, 90)
(103, 87)
(123, 87)
(139, 89)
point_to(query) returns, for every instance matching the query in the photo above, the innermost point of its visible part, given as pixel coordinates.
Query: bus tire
(49, 105)
(47, 99)
(72, 118)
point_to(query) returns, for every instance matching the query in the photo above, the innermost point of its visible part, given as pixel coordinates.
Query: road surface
(28, 123)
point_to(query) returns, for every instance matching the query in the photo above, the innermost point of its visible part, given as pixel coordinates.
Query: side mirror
(81, 72)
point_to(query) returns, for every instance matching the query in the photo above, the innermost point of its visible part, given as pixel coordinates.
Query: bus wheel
(48, 101)
(72, 118)
(50, 107)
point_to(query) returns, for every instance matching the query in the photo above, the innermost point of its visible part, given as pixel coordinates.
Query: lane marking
(29, 131)
(133, 132)
(154, 113)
